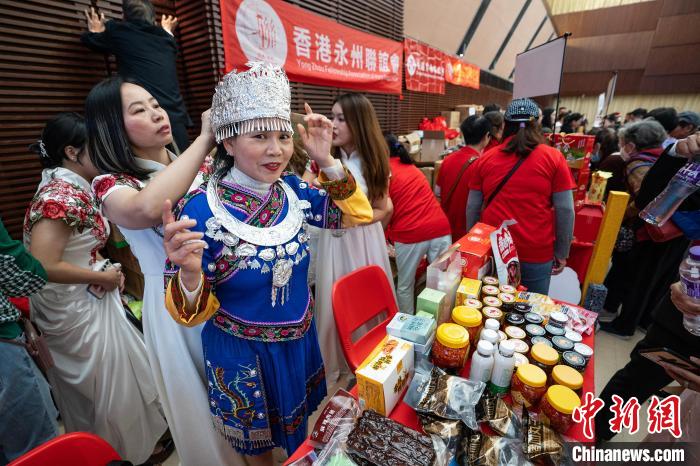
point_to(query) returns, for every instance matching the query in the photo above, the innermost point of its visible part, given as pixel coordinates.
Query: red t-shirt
(526, 197)
(417, 214)
(456, 208)
(493, 142)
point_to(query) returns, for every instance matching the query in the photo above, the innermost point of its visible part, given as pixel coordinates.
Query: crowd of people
(240, 345)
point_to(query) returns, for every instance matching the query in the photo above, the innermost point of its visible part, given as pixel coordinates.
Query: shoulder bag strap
(504, 181)
(447, 198)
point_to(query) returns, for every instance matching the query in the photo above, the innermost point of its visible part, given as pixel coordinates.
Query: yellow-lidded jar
(528, 385)
(556, 407)
(543, 356)
(451, 346)
(469, 318)
(567, 377)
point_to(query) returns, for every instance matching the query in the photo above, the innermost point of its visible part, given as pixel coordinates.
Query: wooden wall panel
(606, 21)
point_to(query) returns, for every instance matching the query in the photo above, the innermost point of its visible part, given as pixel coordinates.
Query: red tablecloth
(406, 415)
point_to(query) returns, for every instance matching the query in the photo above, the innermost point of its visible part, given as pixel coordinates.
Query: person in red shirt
(418, 225)
(530, 182)
(497, 127)
(452, 186)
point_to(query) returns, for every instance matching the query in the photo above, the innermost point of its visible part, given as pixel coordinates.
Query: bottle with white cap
(489, 335)
(490, 324)
(503, 366)
(482, 362)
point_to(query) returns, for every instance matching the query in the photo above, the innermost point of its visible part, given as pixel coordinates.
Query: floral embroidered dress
(174, 352)
(101, 381)
(263, 363)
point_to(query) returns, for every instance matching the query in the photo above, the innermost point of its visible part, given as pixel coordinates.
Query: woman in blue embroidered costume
(239, 258)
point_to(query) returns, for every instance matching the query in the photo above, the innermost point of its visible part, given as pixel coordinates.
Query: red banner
(461, 73)
(425, 69)
(312, 49)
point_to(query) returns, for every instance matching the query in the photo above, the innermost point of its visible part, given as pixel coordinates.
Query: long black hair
(397, 149)
(63, 130)
(110, 150)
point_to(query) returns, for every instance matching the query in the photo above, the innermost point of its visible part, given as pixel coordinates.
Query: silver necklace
(252, 236)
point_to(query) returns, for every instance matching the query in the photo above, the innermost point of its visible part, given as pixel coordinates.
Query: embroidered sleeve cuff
(190, 308)
(339, 189)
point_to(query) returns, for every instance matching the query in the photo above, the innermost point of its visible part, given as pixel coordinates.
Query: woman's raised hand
(183, 247)
(95, 23)
(206, 130)
(318, 138)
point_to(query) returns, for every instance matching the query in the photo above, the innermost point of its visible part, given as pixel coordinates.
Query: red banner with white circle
(310, 48)
(425, 69)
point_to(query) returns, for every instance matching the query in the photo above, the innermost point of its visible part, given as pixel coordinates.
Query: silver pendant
(291, 248)
(282, 272)
(280, 251)
(226, 251)
(254, 264)
(246, 250)
(211, 267)
(304, 204)
(303, 237)
(265, 269)
(242, 264)
(230, 239)
(267, 254)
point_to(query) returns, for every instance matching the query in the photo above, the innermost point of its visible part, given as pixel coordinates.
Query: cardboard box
(412, 141)
(436, 303)
(469, 288)
(428, 173)
(416, 329)
(385, 374)
(431, 149)
(475, 249)
(453, 119)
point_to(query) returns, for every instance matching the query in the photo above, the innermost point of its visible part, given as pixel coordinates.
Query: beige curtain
(626, 103)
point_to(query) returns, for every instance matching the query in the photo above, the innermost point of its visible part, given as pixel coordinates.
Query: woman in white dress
(128, 132)
(101, 381)
(358, 142)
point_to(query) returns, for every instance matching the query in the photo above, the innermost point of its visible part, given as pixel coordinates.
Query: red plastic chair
(74, 449)
(358, 297)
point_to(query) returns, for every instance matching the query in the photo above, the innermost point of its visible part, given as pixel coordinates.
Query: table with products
(407, 416)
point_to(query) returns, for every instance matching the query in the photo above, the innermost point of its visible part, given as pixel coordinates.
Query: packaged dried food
(449, 430)
(432, 391)
(494, 411)
(544, 357)
(478, 449)
(469, 318)
(339, 413)
(382, 441)
(568, 377)
(541, 443)
(451, 346)
(556, 407)
(528, 385)
(581, 320)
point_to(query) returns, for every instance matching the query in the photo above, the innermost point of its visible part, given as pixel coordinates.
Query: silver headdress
(254, 100)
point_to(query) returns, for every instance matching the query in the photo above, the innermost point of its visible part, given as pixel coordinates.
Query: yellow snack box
(469, 288)
(384, 375)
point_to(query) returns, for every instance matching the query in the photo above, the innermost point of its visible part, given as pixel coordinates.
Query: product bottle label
(690, 173)
(691, 288)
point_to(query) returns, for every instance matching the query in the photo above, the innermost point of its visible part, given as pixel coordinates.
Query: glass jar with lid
(514, 332)
(520, 346)
(562, 344)
(584, 350)
(506, 298)
(557, 407)
(491, 281)
(544, 357)
(533, 318)
(543, 340)
(568, 377)
(492, 301)
(513, 318)
(492, 313)
(450, 347)
(528, 385)
(558, 319)
(553, 331)
(475, 303)
(574, 360)
(533, 330)
(470, 319)
(573, 336)
(489, 290)
(507, 289)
